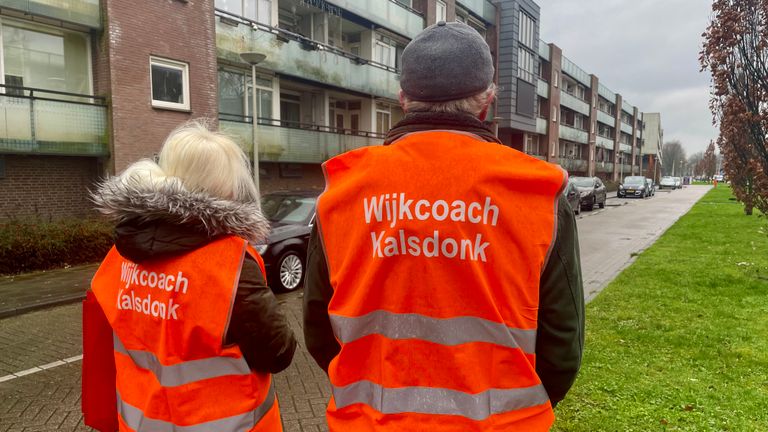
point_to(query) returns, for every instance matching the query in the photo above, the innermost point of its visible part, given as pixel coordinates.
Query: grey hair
(472, 105)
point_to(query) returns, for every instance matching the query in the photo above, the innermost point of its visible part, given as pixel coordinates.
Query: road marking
(41, 368)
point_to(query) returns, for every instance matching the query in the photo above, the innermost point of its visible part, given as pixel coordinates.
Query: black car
(592, 192)
(634, 186)
(572, 195)
(292, 215)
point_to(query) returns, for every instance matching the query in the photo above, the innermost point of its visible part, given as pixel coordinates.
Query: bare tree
(673, 155)
(694, 160)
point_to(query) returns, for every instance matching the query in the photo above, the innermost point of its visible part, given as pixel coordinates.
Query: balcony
(625, 170)
(542, 88)
(606, 93)
(604, 142)
(604, 167)
(300, 143)
(573, 134)
(83, 12)
(573, 165)
(574, 103)
(388, 14)
(576, 72)
(541, 125)
(35, 121)
(481, 8)
(627, 107)
(544, 50)
(606, 118)
(624, 148)
(290, 54)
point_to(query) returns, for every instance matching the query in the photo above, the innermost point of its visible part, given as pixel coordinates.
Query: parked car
(667, 182)
(573, 197)
(592, 192)
(651, 186)
(292, 215)
(718, 177)
(678, 182)
(633, 186)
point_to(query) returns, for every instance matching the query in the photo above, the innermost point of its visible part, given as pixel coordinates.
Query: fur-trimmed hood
(169, 202)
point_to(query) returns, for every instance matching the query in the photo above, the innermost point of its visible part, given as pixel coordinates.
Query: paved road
(45, 345)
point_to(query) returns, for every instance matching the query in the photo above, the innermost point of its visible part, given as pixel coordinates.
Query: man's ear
(401, 98)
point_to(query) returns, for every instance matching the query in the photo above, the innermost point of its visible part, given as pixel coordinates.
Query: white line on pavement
(41, 368)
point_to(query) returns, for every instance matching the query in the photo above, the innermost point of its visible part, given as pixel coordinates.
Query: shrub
(30, 246)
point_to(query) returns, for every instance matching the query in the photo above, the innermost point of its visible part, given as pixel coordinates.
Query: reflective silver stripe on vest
(186, 372)
(135, 419)
(430, 400)
(444, 331)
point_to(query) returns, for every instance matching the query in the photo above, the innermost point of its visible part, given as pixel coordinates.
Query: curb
(73, 298)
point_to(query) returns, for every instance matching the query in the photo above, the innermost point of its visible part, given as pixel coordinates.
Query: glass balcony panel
(604, 142)
(627, 129)
(573, 134)
(626, 106)
(385, 13)
(606, 93)
(541, 125)
(605, 167)
(576, 72)
(34, 126)
(606, 118)
(542, 89)
(282, 144)
(544, 50)
(313, 63)
(625, 148)
(482, 8)
(83, 12)
(574, 103)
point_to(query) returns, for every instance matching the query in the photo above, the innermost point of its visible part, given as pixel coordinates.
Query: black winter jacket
(560, 333)
(162, 221)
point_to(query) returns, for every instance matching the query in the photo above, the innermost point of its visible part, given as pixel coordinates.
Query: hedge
(30, 246)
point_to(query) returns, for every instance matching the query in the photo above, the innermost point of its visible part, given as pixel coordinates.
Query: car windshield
(288, 209)
(634, 181)
(582, 181)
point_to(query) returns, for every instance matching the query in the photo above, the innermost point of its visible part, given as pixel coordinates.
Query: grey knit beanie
(446, 61)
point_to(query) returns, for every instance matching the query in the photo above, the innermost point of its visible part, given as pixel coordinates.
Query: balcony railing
(544, 50)
(606, 93)
(542, 88)
(281, 141)
(83, 12)
(37, 121)
(604, 167)
(626, 128)
(606, 118)
(296, 55)
(481, 8)
(572, 134)
(541, 125)
(574, 103)
(388, 14)
(604, 142)
(576, 72)
(573, 165)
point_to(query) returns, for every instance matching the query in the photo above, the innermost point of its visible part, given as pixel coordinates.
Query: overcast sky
(646, 50)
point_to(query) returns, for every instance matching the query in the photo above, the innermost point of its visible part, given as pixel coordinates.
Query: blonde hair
(200, 160)
(474, 104)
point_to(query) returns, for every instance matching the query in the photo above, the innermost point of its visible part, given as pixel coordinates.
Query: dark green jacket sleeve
(257, 325)
(318, 333)
(560, 336)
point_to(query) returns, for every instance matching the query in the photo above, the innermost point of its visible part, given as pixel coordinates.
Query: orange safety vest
(170, 318)
(435, 246)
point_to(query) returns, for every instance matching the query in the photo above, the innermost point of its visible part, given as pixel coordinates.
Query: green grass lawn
(679, 341)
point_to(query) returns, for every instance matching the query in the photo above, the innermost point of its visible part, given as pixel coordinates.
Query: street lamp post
(254, 58)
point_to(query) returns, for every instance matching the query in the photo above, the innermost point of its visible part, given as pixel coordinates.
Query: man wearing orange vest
(444, 286)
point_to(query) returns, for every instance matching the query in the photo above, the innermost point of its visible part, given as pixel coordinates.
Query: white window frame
(171, 64)
(439, 4)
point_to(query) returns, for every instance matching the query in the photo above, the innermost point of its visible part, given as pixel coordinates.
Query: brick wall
(47, 187)
(177, 30)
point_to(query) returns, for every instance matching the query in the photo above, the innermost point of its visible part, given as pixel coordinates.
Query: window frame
(444, 5)
(170, 64)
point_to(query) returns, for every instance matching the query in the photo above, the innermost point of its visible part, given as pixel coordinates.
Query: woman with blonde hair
(196, 331)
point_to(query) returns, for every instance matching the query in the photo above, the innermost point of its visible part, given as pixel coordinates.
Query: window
(383, 118)
(290, 109)
(235, 95)
(170, 84)
(527, 30)
(256, 10)
(532, 144)
(526, 68)
(39, 56)
(441, 10)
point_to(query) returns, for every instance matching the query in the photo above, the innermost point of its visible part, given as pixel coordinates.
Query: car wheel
(289, 271)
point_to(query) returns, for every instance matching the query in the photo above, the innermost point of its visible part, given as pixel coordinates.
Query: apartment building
(580, 123)
(653, 137)
(89, 86)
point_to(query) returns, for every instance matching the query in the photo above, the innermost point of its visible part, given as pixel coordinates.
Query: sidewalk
(23, 293)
